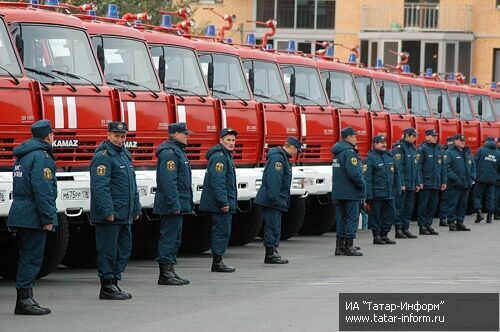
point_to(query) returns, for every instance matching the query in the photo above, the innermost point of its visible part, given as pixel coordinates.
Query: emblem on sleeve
(47, 173)
(398, 156)
(365, 168)
(219, 167)
(354, 161)
(101, 170)
(278, 166)
(171, 165)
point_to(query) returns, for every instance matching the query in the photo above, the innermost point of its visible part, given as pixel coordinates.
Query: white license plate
(3, 196)
(143, 191)
(75, 194)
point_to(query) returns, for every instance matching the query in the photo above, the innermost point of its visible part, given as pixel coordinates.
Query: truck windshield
(308, 88)
(465, 107)
(364, 83)
(182, 70)
(390, 94)
(419, 105)
(343, 91)
(268, 86)
(8, 58)
(229, 80)
(63, 49)
(488, 114)
(434, 95)
(129, 60)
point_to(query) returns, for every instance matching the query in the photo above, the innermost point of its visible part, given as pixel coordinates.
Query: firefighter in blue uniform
(348, 191)
(405, 153)
(383, 181)
(114, 204)
(487, 161)
(432, 175)
(461, 172)
(219, 196)
(274, 195)
(173, 200)
(443, 214)
(33, 212)
(497, 189)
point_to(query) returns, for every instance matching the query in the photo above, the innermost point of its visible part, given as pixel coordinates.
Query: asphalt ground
(300, 296)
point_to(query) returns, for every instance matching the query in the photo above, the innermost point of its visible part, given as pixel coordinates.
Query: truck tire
(291, 221)
(145, 235)
(246, 226)
(196, 234)
(8, 255)
(320, 215)
(55, 247)
(81, 252)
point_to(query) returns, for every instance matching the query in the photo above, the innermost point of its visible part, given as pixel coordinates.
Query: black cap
(489, 139)
(117, 127)
(41, 129)
(449, 139)
(459, 137)
(227, 131)
(348, 132)
(410, 131)
(293, 141)
(178, 127)
(378, 139)
(430, 132)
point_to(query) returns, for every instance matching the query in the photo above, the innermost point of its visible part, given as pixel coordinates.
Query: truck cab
(484, 112)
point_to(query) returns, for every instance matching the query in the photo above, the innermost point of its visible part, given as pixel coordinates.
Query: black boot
(489, 218)
(479, 216)
(442, 222)
(185, 281)
(115, 283)
(111, 292)
(409, 235)
(350, 249)
(273, 257)
(461, 227)
(339, 247)
(400, 234)
(453, 226)
(377, 239)
(423, 231)
(218, 265)
(167, 276)
(26, 304)
(432, 231)
(386, 239)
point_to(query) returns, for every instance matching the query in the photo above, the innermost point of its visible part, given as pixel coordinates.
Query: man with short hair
(173, 200)
(274, 195)
(348, 190)
(220, 196)
(33, 212)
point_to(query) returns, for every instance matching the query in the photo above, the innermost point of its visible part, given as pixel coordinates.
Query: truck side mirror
(251, 79)
(368, 94)
(100, 57)
(161, 69)
(292, 85)
(210, 75)
(20, 47)
(382, 95)
(480, 107)
(328, 87)
(458, 106)
(440, 104)
(409, 99)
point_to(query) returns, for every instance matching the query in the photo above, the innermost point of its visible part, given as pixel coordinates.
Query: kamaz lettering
(131, 144)
(65, 143)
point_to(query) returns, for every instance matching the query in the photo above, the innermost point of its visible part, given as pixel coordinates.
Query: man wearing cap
(33, 211)
(443, 213)
(405, 153)
(487, 161)
(461, 172)
(114, 205)
(348, 190)
(274, 195)
(173, 200)
(220, 196)
(383, 181)
(432, 175)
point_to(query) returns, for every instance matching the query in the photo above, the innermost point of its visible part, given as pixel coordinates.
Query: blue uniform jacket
(381, 176)
(430, 166)
(460, 167)
(347, 176)
(405, 155)
(219, 184)
(34, 186)
(498, 175)
(276, 181)
(488, 163)
(113, 185)
(173, 178)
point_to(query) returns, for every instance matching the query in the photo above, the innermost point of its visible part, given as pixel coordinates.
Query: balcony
(417, 17)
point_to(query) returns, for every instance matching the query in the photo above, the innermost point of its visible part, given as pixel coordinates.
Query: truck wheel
(145, 235)
(246, 226)
(8, 255)
(81, 252)
(292, 221)
(320, 215)
(196, 234)
(55, 247)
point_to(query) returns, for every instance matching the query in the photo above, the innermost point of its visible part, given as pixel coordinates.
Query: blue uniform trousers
(404, 203)
(221, 230)
(31, 243)
(427, 204)
(443, 213)
(484, 191)
(170, 238)
(272, 226)
(457, 204)
(114, 245)
(347, 217)
(381, 216)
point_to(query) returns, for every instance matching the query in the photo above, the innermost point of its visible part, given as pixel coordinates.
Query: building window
(298, 14)
(498, 4)
(496, 64)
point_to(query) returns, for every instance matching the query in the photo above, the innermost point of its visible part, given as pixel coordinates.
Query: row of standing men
(386, 183)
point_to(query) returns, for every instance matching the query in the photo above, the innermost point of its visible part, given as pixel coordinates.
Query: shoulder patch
(47, 173)
(398, 156)
(101, 170)
(219, 167)
(278, 166)
(171, 165)
(354, 161)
